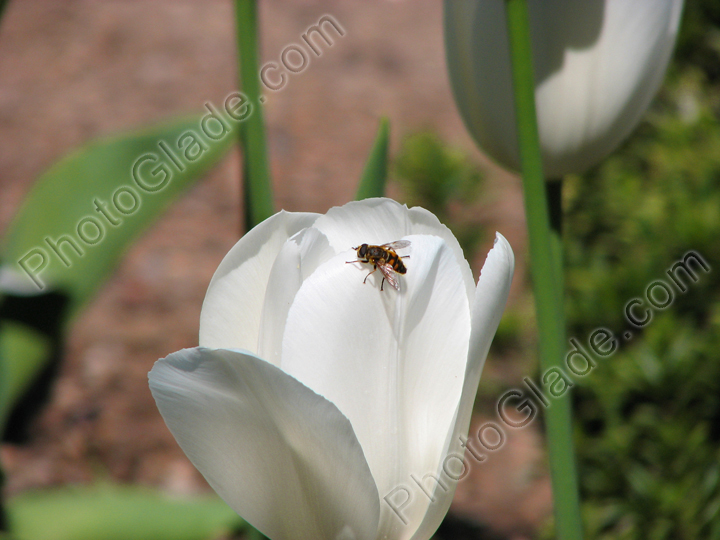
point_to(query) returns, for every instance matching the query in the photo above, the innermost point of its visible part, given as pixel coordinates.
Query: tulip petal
(298, 258)
(490, 299)
(280, 455)
(479, 64)
(491, 296)
(425, 222)
(595, 84)
(392, 361)
(231, 312)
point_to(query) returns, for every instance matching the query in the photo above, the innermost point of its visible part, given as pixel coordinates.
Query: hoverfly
(385, 259)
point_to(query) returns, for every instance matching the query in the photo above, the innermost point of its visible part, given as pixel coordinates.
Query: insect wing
(387, 271)
(399, 244)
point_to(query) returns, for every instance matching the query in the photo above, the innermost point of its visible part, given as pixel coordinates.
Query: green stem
(258, 197)
(546, 271)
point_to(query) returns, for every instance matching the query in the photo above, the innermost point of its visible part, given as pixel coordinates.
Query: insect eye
(363, 250)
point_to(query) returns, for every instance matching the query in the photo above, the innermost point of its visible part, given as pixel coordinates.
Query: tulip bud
(598, 64)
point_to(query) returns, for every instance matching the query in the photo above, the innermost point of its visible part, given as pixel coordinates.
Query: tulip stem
(546, 269)
(257, 188)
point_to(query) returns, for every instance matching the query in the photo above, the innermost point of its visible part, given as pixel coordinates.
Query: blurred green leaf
(77, 222)
(20, 342)
(85, 211)
(372, 182)
(108, 512)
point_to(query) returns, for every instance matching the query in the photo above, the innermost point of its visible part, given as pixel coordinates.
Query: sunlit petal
(298, 258)
(393, 362)
(232, 309)
(490, 299)
(280, 455)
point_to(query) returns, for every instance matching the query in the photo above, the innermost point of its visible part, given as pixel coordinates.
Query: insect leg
(364, 280)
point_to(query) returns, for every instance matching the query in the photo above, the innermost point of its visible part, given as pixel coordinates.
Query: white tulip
(598, 64)
(315, 400)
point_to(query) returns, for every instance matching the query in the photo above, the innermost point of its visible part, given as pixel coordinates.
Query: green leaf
(109, 512)
(372, 182)
(86, 210)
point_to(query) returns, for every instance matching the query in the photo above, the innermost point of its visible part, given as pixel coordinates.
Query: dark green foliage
(648, 417)
(698, 42)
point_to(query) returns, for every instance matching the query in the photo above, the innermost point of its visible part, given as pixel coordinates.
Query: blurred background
(648, 418)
